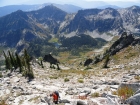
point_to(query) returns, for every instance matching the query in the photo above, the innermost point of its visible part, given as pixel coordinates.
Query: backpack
(56, 92)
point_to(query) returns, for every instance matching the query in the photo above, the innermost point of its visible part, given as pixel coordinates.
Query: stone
(114, 86)
(15, 79)
(114, 83)
(81, 103)
(7, 91)
(42, 100)
(95, 87)
(133, 86)
(64, 101)
(134, 100)
(138, 91)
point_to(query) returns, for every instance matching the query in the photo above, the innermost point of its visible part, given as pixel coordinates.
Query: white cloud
(116, 0)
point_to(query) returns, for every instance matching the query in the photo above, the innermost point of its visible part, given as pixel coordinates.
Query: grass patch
(130, 55)
(80, 80)
(125, 92)
(53, 40)
(114, 92)
(84, 73)
(96, 94)
(3, 103)
(137, 77)
(53, 77)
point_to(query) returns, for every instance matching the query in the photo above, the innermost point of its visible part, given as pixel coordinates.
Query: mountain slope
(95, 19)
(18, 26)
(131, 18)
(80, 41)
(49, 16)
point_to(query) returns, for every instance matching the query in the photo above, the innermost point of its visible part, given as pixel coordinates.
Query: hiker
(55, 96)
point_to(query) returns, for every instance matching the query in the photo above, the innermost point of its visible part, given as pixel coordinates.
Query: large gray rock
(134, 100)
(133, 86)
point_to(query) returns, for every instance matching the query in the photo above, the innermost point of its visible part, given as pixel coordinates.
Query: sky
(75, 2)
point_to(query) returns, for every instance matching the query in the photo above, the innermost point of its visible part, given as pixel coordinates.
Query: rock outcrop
(124, 41)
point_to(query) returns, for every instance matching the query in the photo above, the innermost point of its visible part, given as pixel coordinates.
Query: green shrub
(66, 80)
(106, 61)
(1, 75)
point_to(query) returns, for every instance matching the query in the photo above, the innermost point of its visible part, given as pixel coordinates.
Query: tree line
(20, 63)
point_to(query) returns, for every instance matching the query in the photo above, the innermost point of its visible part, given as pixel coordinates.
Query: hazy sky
(16, 2)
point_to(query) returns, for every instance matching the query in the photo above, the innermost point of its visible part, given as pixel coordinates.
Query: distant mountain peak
(50, 6)
(134, 7)
(53, 7)
(49, 11)
(20, 14)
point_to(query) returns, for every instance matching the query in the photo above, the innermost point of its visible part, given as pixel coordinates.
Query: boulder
(133, 86)
(87, 62)
(134, 100)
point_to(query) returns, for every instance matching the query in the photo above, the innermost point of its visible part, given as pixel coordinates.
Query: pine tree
(106, 61)
(27, 60)
(7, 62)
(19, 63)
(12, 60)
(22, 62)
(28, 71)
(15, 61)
